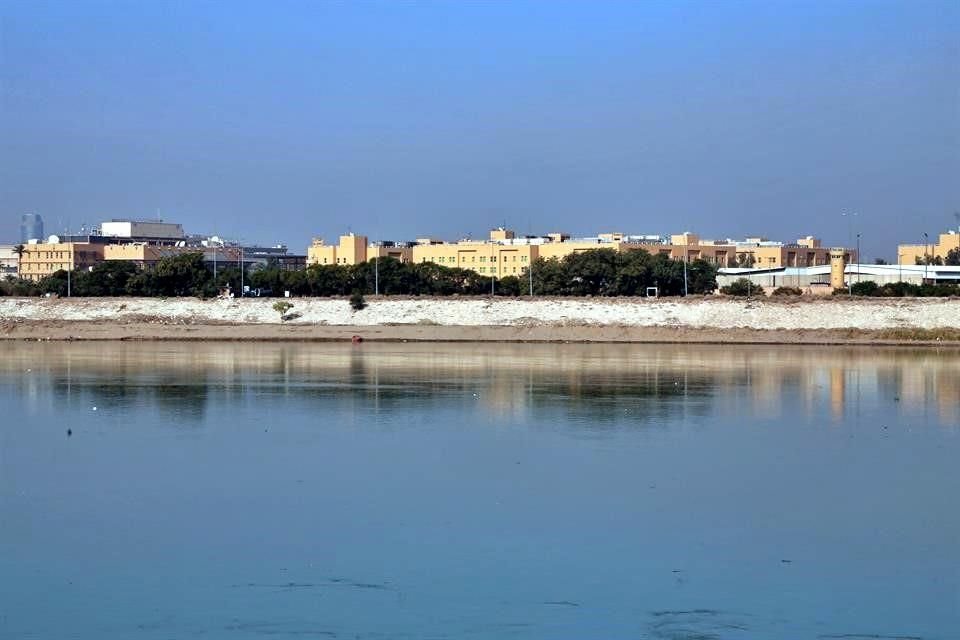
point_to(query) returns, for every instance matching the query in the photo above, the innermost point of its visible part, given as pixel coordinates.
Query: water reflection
(599, 384)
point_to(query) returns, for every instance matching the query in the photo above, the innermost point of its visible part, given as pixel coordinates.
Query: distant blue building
(31, 227)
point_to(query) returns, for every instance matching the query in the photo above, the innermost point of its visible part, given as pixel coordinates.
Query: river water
(169, 490)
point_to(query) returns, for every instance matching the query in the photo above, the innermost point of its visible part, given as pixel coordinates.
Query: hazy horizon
(283, 121)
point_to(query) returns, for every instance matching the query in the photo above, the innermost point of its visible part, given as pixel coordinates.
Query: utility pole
(685, 254)
(376, 274)
(69, 269)
(926, 258)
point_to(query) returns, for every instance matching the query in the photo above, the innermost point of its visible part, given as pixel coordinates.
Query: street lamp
(859, 258)
(926, 258)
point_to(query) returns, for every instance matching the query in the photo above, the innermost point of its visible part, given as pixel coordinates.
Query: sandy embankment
(865, 321)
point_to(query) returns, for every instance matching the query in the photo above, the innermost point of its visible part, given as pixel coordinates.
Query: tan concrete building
(355, 249)
(144, 255)
(805, 252)
(502, 255)
(42, 259)
(911, 253)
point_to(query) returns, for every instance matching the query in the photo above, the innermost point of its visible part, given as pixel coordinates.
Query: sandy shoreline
(702, 320)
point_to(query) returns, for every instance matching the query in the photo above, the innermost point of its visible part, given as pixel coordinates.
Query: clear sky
(277, 121)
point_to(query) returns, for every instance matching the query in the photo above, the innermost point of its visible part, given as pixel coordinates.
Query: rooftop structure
(141, 229)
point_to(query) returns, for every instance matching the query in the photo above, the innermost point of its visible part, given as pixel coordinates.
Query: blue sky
(278, 121)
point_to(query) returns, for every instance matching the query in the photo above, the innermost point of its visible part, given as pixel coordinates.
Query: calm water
(526, 491)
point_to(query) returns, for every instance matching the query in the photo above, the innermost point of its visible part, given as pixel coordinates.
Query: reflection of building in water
(838, 390)
(598, 382)
(948, 398)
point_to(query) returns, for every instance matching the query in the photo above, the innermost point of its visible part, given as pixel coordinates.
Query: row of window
(453, 259)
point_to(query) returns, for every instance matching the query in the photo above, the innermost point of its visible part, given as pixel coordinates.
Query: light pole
(376, 274)
(685, 252)
(926, 258)
(240, 265)
(859, 258)
(530, 273)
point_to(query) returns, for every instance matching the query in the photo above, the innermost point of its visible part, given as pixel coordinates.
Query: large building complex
(504, 253)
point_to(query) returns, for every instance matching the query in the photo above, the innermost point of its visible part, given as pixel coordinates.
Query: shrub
(865, 288)
(739, 287)
(357, 302)
(281, 307)
(788, 291)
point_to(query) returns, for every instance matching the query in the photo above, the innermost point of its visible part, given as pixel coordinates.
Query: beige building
(144, 255)
(911, 253)
(355, 249)
(805, 252)
(42, 259)
(502, 255)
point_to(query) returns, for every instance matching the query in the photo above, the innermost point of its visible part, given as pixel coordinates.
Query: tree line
(598, 272)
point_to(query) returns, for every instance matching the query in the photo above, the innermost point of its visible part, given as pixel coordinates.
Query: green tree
(183, 275)
(953, 258)
(508, 286)
(701, 277)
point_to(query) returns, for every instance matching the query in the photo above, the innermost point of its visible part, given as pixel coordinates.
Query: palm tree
(20, 250)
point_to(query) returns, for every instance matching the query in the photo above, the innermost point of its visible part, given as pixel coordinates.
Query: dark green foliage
(953, 258)
(739, 287)
(902, 290)
(864, 288)
(600, 272)
(508, 286)
(12, 286)
(788, 291)
(604, 272)
(356, 301)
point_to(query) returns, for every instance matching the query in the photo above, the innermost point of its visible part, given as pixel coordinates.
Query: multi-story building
(41, 259)
(355, 249)
(145, 255)
(31, 227)
(504, 254)
(806, 252)
(914, 253)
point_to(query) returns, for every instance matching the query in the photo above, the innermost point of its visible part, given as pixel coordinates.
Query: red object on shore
(356, 339)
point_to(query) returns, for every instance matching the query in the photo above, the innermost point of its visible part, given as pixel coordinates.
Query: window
(483, 258)
(483, 269)
(453, 260)
(523, 258)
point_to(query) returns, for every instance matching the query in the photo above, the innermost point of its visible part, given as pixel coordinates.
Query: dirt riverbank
(704, 320)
